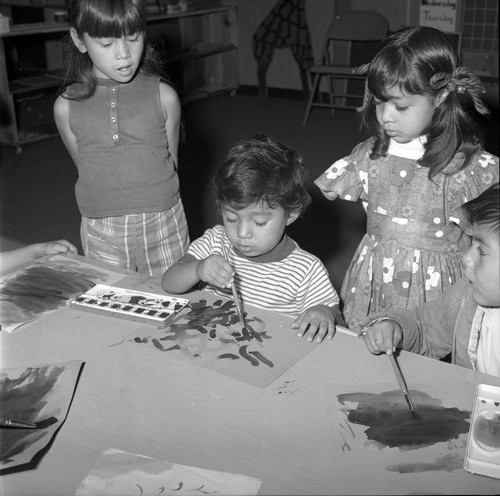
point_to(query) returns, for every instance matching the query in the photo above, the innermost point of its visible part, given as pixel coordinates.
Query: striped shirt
(289, 286)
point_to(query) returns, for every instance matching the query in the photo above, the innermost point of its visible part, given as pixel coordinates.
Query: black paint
(391, 424)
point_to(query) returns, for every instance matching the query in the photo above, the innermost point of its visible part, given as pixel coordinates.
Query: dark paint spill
(391, 424)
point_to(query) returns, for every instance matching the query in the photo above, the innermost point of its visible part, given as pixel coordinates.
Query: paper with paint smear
(33, 394)
(117, 473)
(208, 333)
(42, 287)
(375, 424)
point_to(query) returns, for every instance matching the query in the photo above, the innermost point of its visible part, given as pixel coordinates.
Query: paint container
(61, 16)
(483, 445)
(157, 309)
(4, 24)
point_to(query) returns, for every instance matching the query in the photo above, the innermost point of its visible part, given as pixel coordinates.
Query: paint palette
(130, 305)
(483, 446)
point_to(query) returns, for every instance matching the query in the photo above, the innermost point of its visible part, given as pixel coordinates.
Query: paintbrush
(402, 385)
(237, 302)
(21, 424)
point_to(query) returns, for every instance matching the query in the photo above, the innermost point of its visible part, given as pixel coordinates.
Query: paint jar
(486, 430)
(61, 16)
(483, 445)
(4, 24)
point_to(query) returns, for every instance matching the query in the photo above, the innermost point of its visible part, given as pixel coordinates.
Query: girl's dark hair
(423, 61)
(484, 210)
(104, 19)
(260, 169)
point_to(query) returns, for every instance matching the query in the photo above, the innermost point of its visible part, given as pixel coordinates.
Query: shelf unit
(200, 54)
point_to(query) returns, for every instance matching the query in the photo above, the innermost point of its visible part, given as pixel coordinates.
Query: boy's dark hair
(104, 19)
(261, 169)
(484, 210)
(423, 61)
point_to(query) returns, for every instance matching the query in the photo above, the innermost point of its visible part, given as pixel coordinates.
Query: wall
(284, 72)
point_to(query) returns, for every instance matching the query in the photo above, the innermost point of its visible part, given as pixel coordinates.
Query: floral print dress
(413, 245)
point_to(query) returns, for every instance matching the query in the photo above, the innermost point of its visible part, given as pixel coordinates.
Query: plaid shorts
(148, 242)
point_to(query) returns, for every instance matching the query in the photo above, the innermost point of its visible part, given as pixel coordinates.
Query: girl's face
(482, 267)
(404, 117)
(112, 58)
(257, 229)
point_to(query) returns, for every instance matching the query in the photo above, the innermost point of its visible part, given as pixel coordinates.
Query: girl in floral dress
(424, 159)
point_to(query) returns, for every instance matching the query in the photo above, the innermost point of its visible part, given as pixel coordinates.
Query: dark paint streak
(246, 356)
(390, 423)
(206, 329)
(262, 358)
(228, 355)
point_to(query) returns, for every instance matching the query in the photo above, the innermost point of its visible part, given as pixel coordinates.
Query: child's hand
(383, 336)
(317, 321)
(216, 270)
(55, 247)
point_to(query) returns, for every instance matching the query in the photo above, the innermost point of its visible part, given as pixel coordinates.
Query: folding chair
(353, 36)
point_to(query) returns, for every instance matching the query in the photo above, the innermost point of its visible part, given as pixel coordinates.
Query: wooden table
(289, 434)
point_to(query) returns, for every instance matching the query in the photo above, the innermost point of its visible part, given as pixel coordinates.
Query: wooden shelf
(34, 83)
(198, 51)
(204, 63)
(205, 92)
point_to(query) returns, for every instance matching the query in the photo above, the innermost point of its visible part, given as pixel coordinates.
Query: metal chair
(353, 37)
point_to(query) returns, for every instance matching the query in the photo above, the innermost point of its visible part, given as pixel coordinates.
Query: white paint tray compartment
(127, 304)
(483, 445)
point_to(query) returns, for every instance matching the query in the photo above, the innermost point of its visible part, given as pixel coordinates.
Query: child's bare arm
(172, 111)
(14, 258)
(189, 271)
(61, 118)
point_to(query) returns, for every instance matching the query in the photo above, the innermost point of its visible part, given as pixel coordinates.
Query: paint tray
(483, 445)
(129, 305)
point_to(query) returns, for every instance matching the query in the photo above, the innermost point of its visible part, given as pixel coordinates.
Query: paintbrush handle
(237, 302)
(401, 381)
(19, 424)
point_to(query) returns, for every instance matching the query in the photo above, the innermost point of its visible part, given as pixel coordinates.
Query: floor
(37, 185)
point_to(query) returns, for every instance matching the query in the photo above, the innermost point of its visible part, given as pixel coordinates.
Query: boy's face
(482, 266)
(255, 230)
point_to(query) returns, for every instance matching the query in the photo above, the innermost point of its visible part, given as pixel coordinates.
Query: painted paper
(32, 292)
(33, 394)
(208, 332)
(118, 473)
(433, 441)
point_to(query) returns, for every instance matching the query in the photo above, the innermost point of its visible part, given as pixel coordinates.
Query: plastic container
(483, 445)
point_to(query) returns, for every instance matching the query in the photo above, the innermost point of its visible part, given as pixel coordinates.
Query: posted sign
(439, 14)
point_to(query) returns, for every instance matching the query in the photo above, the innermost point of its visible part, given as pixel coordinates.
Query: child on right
(424, 159)
(465, 320)
(260, 189)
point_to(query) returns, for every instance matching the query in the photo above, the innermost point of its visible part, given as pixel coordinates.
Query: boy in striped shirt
(260, 189)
